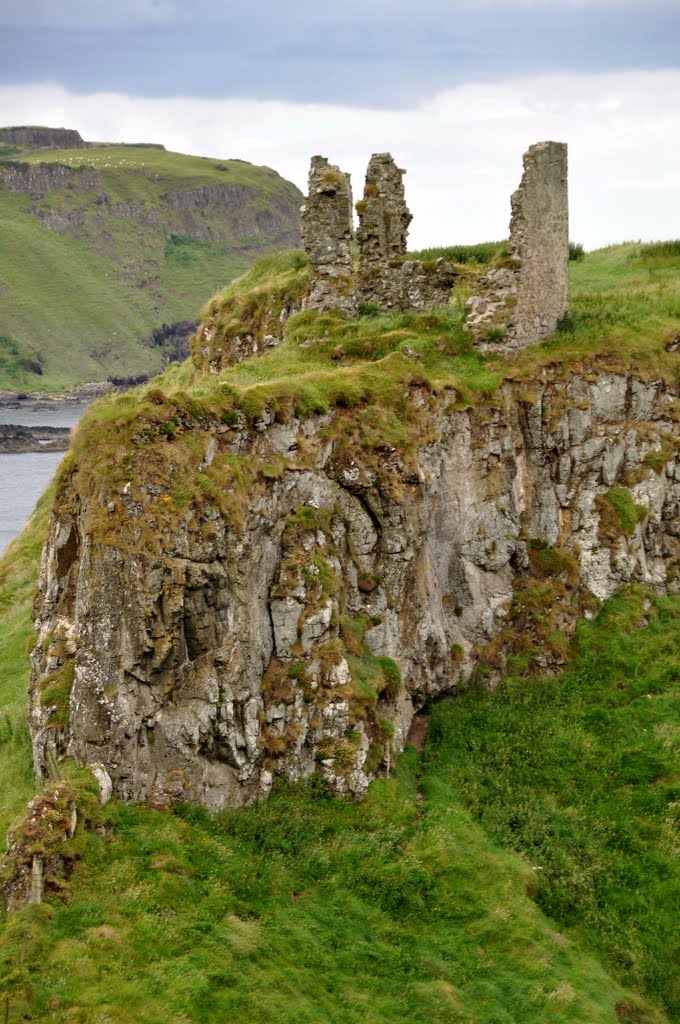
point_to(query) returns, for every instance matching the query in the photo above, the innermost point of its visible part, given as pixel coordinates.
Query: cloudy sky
(455, 89)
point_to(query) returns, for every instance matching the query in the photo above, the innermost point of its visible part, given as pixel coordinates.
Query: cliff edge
(265, 566)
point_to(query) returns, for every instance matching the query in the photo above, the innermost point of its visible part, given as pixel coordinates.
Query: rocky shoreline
(80, 395)
(17, 440)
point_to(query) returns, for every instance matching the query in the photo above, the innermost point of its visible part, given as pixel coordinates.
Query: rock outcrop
(523, 301)
(16, 438)
(36, 137)
(293, 618)
(48, 177)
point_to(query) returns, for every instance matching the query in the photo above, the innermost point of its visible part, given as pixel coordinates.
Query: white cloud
(462, 149)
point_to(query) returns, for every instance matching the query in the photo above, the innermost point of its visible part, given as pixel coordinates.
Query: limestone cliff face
(303, 634)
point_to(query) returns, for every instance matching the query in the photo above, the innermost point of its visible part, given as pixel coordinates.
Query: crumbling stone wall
(327, 237)
(426, 285)
(522, 301)
(384, 218)
(385, 278)
(519, 302)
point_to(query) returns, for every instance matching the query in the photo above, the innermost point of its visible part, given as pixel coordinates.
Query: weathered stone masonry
(385, 277)
(519, 303)
(327, 237)
(523, 301)
(383, 228)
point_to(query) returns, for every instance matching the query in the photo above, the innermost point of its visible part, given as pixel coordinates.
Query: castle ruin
(327, 237)
(384, 218)
(520, 301)
(385, 279)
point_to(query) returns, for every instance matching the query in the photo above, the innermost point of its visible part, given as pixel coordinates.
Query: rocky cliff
(227, 598)
(37, 137)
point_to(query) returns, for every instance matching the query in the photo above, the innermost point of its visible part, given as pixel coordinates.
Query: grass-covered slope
(624, 315)
(579, 774)
(522, 868)
(100, 246)
(18, 579)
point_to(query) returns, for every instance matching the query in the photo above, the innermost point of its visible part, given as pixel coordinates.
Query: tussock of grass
(654, 254)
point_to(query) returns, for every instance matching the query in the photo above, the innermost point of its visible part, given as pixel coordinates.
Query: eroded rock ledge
(301, 632)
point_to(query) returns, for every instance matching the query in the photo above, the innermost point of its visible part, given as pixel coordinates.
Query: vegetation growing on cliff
(624, 316)
(384, 373)
(520, 869)
(18, 579)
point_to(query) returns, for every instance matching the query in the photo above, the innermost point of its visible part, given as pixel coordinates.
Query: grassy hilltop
(520, 869)
(101, 246)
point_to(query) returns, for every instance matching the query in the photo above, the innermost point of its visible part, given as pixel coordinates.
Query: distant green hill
(100, 246)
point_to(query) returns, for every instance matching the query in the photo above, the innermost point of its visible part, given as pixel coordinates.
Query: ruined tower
(522, 301)
(327, 237)
(383, 228)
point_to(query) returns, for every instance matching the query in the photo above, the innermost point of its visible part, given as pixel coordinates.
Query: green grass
(174, 170)
(482, 253)
(579, 774)
(621, 317)
(80, 297)
(18, 580)
(520, 870)
(618, 512)
(624, 309)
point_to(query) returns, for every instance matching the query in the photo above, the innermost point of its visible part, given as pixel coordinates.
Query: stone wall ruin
(327, 237)
(520, 301)
(384, 218)
(385, 279)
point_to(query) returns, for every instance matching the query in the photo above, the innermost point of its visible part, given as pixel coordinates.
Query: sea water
(24, 477)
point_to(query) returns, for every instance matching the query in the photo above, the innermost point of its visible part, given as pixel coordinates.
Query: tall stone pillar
(522, 301)
(383, 227)
(327, 238)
